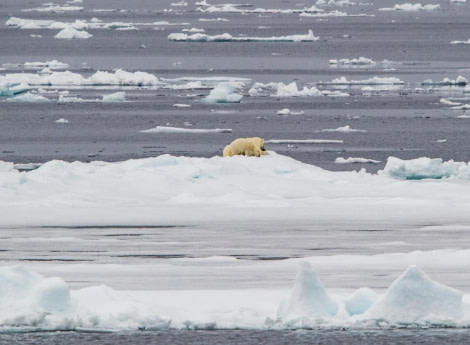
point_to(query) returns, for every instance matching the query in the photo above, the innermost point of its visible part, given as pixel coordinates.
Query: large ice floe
(32, 302)
(290, 90)
(199, 37)
(408, 7)
(193, 190)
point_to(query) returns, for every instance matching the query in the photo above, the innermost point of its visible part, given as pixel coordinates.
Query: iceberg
(414, 298)
(223, 93)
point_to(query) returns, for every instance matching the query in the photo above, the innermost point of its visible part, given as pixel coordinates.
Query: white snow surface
(244, 191)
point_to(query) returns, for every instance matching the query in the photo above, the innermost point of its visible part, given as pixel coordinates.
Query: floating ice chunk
(165, 129)
(460, 81)
(449, 102)
(425, 168)
(303, 141)
(8, 88)
(356, 61)
(309, 298)
(115, 97)
(181, 3)
(335, 3)
(193, 30)
(291, 90)
(412, 7)
(69, 33)
(199, 37)
(460, 42)
(48, 7)
(72, 99)
(370, 81)
(62, 120)
(345, 129)
(461, 107)
(28, 97)
(287, 111)
(414, 298)
(54, 64)
(223, 93)
(353, 160)
(360, 301)
(122, 77)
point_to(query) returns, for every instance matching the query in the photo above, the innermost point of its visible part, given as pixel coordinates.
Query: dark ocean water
(239, 337)
(406, 122)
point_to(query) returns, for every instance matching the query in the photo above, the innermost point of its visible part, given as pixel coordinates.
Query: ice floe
(287, 111)
(28, 97)
(461, 42)
(69, 33)
(460, 81)
(168, 129)
(11, 88)
(426, 168)
(223, 93)
(303, 141)
(344, 129)
(354, 160)
(290, 90)
(33, 302)
(199, 37)
(408, 7)
(354, 62)
(115, 97)
(370, 81)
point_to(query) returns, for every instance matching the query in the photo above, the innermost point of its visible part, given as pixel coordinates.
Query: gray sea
(411, 119)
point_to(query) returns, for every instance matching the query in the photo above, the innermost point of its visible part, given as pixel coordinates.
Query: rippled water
(238, 337)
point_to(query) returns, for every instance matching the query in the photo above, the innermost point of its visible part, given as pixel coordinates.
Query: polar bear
(246, 147)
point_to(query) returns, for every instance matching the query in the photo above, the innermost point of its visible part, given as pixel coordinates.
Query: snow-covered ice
(183, 190)
(226, 37)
